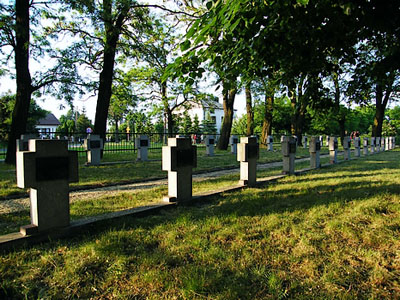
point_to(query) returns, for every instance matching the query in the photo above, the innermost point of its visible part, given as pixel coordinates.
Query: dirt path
(21, 204)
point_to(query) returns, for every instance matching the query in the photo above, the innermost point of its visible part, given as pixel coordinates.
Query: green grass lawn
(135, 171)
(330, 234)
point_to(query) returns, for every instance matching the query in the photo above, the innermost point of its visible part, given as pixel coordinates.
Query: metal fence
(114, 142)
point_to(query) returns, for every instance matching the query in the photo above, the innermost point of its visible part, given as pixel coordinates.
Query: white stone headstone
(47, 168)
(248, 153)
(333, 146)
(314, 149)
(365, 146)
(142, 143)
(210, 142)
(270, 142)
(346, 148)
(289, 146)
(179, 158)
(93, 145)
(233, 141)
(357, 146)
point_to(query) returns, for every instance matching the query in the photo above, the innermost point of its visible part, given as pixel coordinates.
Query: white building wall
(46, 131)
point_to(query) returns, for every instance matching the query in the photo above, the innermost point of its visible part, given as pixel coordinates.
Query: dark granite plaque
(144, 143)
(317, 146)
(94, 144)
(184, 158)
(236, 141)
(252, 151)
(211, 141)
(25, 146)
(335, 145)
(52, 168)
(292, 147)
(349, 143)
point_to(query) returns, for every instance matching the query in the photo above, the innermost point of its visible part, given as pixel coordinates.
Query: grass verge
(330, 234)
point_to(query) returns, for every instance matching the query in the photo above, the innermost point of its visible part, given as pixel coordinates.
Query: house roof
(211, 104)
(50, 119)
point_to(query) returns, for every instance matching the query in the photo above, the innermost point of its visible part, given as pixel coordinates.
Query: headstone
(391, 142)
(233, 141)
(333, 146)
(248, 153)
(289, 146)
(365, 146)
(378, 144)
(357, 146)
(386, 143)
(328, 138)
(373, 143)
(47, 168)
(270, 142)
(321, 139)
(305, 140)
(179, 158)
(315, 148)
(210, 142)
(346, 147)
(142, 143)
(93, 145)
(282, 138)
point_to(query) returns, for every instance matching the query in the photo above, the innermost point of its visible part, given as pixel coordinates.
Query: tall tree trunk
(170, 122)
(341, 118)
(24, 82)
(116, 130)
(267, 122)
(295, 97)
(299, 106)
(380, 106)
(249, 110)
(112, 32)
(228, 100)
(167, 109)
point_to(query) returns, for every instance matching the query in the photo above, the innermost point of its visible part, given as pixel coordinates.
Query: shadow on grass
(138, 240)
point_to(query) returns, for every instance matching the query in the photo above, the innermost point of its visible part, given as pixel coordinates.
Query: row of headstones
(94, 144)
(47, 167)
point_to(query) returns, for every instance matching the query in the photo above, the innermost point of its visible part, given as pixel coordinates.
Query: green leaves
(185, 45)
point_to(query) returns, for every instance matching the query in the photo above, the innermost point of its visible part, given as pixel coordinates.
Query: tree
(20, 41)
(7, 102)
(16, 42)
(187, 123)
(208, 126)
(374, 78)
(196, 124)
(154, 84)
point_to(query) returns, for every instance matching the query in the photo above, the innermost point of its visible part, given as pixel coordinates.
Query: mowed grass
(101, 204)
(126, 169)
(330, 234)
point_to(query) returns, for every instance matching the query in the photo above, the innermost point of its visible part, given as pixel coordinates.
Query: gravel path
(21, 204)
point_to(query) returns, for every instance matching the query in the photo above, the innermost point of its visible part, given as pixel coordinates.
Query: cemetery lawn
(330, 234)
(124, 169)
